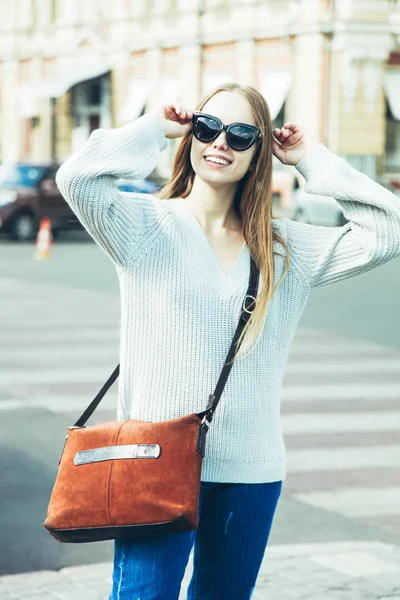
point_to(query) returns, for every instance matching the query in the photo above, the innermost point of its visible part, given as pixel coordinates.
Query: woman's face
(229, 107)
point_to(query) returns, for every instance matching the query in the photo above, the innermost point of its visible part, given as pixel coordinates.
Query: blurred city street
(329, 69)
(340, 416)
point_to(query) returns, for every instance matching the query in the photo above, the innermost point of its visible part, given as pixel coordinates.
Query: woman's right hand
(174, 119)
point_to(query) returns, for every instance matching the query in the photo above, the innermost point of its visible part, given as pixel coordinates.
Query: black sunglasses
(240, 136)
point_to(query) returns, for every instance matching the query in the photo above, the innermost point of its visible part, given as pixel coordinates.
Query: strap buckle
(205, 423)
(245, 307)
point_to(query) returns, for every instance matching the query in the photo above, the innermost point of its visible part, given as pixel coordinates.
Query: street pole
(53, 126)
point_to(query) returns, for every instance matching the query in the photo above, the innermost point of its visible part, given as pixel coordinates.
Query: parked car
(317, 209)
(325, 210)
(29, 192)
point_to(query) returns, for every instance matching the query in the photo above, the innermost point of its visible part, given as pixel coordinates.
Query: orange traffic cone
(44, 240)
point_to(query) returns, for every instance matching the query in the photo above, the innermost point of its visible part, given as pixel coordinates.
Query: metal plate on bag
(117, 452)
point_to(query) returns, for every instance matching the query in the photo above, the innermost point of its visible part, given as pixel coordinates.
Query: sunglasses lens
(240, 137)
(205, 129)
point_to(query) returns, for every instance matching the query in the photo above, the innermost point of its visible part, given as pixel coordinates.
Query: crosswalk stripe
(50, 317)
(87, 374)
(344, 458)
(340, 422)
(38, 330)
(327, 350)
(383, 364)
(61, 404)
(329, 392)
(356, 503)
(48, 356)
(59, 336)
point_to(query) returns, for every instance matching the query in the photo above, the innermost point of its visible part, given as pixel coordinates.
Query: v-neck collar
(201, 250)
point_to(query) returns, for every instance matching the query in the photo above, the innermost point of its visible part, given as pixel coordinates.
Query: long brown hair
(252, 203)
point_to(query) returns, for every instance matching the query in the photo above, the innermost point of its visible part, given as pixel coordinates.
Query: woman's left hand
(290, 145)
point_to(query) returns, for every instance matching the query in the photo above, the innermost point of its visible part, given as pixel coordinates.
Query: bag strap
(248, 308)
(207, 415)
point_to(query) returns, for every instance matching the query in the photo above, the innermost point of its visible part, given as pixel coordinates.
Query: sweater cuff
(155, 131)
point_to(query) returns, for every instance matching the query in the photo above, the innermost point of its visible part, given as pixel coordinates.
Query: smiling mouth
(217, 161)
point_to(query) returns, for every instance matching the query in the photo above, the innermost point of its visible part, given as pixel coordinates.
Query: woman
(183, 265)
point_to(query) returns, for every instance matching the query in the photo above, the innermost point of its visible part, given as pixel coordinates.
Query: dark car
(29, 192)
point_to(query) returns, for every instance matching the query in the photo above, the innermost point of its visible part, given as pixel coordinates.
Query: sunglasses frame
(256, 131)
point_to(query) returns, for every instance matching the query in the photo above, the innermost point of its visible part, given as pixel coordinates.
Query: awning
(136, 99)
(392, 89)
(53, 87)
(274, 86)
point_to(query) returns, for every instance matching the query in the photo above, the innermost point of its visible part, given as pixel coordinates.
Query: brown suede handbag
(134, 478)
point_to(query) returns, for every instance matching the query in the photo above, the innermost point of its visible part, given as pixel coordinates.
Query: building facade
(68, 67)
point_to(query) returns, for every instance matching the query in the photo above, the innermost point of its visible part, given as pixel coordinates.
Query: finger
(280, 133)
(184, 119)
(175, 112)
(282, 138)
(170, 112)
(183, 115)
(291, 137)
(278, 136)
(187, 114)
(180, 111)
(280, 154)
(294, 138)
(276, 142)
(292, 127)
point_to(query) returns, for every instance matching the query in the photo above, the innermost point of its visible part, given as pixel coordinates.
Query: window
(94, 94)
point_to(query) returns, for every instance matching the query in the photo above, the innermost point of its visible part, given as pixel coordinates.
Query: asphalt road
(340, 402)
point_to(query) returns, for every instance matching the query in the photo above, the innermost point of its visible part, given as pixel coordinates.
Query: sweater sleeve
(371, 237)
(87, 180)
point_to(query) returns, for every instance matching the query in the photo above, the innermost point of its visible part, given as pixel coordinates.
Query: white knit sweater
(179, 309)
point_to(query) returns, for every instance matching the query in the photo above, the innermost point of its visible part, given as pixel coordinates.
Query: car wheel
(24, 227)
(300, 215)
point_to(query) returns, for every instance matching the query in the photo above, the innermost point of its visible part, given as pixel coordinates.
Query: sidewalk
(331, 571)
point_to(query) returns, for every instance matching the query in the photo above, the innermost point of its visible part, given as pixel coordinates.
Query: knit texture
(180, 309)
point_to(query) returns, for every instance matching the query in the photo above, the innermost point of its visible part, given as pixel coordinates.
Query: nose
(220, 141)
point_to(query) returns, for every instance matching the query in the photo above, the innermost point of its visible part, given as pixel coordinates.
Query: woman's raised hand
(290, 144)
(174, 119)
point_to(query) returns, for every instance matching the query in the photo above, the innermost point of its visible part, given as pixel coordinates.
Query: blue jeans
(234, 524)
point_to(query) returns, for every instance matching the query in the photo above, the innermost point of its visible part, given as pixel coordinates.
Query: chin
(214, 177)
